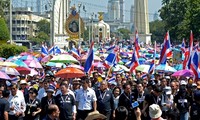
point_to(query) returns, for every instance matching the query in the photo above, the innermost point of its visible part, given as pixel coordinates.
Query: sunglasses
(30, 92)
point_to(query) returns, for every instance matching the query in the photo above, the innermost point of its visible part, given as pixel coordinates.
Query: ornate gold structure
(72, 24)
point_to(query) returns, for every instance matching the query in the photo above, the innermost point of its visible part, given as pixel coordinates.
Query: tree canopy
(4, 32)
(157, 28)
(125, 33)
(181, 16)
(44, 26)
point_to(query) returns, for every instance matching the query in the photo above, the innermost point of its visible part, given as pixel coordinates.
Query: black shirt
(44, 105)
(183, 102)
(4, 106)
(152, 99)
(195, 111)
(140, 98)
(105, 100)
(65, 104)
(31, 106)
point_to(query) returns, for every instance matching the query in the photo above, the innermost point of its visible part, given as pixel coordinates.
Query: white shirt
(85, 98)
(116, 101)
(17, 102)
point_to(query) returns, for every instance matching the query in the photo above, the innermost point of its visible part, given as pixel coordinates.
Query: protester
(52, 112)
(195, 108)
(155, 112)
(95, 115)
(32, 105)
(4, 105)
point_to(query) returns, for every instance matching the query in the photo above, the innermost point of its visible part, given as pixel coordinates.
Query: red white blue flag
(90, 59)
(188, 59)
(137, 46)
(152, 65)
(134, 62)
(194, 66)
(183, 45)
(166, 50)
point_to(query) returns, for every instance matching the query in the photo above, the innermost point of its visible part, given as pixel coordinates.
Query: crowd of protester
(128, 97)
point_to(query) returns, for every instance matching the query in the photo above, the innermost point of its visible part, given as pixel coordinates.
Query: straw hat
(95, 115)
(23, 82)
(155, 111)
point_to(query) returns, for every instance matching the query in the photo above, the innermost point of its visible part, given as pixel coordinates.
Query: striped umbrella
(20, 63)
(10, 71)
(4, 76)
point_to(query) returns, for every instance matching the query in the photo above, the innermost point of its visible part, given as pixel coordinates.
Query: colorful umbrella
(184, 73)
(23, 70)
(96, 58)
(64, 58)
(4, 76)
(143, 68)
(33, 72)
(8, 64)
(70, 73)
(76, 66)
(35, 64)
(47, 58)
(10, 71)
(53, 64)
(98, 64)
(2, 59)
(20, 63)
(165, 68)
(119, 67)
(28, 57)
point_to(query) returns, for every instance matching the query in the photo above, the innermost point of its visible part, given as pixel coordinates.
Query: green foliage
(157, 28)
(125, 33)
(181, 16)
(4, 4)
(4, 32)
(41, 37)
(44, 26)
(7, 50)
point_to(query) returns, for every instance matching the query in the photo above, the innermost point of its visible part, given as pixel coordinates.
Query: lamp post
(11, 41)
(92, 28)
(89, 30)
(79, 21)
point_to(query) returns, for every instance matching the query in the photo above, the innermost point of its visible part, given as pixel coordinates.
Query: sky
(101, 5)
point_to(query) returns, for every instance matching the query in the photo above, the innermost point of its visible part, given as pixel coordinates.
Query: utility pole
(92, 28)
(79, 23)
(11, 41)
(52, 33)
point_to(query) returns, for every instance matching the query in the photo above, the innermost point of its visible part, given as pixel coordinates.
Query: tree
(40, 38)
(4, 32)
(125, 33)
(157, 28)
(4, 4)
(181, 16)
(44, 26)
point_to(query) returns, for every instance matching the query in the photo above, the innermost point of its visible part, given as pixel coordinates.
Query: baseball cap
(183, 82)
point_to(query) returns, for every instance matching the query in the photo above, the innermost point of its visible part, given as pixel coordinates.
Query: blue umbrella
(178, 66)
(165, 68)
(20, 63)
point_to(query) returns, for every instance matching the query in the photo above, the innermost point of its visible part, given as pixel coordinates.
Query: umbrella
(53, 64)
(166, 68)
(12, 58)
(184, 73)
(96, 58)
(143, 68)
(23, 70)
(47, 58)
(70, 73)
(64, 58)
(28, 57)
(20, 63)
(76, 66)
(4, 75)
(34, 64)
(119, 67)
(8, 64)
(24, 53)
(10, 71)
(33, 72)
(2, 59)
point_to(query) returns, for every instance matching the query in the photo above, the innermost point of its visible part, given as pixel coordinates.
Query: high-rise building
(122, 11)
(132, 14)
(113, 10)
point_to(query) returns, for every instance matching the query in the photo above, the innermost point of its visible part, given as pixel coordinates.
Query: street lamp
(79, 20)
(92, 27)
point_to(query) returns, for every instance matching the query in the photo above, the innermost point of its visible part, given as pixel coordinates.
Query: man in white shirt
(42, 92)
(85, 100)
(17, 104)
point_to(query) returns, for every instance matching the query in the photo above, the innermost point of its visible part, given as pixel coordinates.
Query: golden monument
(72, 25)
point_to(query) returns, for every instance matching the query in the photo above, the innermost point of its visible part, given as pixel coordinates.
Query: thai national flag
(52, 50)
(195, 64)
(112, 79)
(144, 76)
(137, 46)
(183, 46)
(152, 66)
(188, 59)
(134, 62)
(110, 60)
(90, 59)
(166, 50)
(44, 50)
(75, 53)
(111, 49)
(57, 50)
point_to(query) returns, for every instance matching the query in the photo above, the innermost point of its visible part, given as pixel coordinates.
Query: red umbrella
(23, 70)
(70, 72)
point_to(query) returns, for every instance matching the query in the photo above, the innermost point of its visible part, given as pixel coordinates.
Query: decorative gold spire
(100, 15)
